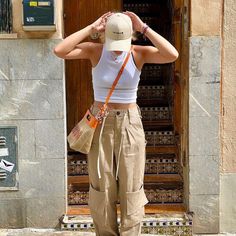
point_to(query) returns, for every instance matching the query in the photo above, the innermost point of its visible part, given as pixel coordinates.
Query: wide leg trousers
(116, 164)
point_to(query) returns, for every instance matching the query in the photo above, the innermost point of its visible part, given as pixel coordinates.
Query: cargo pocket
(135, 207)
(97, 205)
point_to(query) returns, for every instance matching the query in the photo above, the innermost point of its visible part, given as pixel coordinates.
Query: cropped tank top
(105, 72)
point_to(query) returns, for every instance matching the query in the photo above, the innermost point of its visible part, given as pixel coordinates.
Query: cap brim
(118, 45)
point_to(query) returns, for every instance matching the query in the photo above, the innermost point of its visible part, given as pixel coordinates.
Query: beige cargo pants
(116, 164)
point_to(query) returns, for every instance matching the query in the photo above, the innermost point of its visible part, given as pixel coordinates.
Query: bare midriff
(115, 105)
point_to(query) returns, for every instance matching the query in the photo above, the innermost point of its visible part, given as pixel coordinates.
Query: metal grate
(5, 16)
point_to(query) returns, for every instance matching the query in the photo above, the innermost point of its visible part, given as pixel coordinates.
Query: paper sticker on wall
(40, 4)
(4, 152)
(33, 3)
(6, 165)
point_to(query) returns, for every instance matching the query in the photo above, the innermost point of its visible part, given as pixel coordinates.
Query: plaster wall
(206, 17)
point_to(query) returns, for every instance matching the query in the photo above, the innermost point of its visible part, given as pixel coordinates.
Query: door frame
(181, 78)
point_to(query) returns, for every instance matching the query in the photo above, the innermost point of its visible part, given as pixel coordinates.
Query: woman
(116, 160)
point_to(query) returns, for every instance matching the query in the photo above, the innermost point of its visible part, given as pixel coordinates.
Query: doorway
(162, 97)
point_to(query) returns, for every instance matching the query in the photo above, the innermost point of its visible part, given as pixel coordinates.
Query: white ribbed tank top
(105, 72)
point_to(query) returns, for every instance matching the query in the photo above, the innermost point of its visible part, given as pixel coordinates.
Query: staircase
(163, 180)
(163, 171)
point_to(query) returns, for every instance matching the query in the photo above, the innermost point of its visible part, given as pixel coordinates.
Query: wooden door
(78, 14)
(159, 97)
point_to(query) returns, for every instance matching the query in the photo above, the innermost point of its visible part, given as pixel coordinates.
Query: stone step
(148, 178)
(150, 209)
(161, 149)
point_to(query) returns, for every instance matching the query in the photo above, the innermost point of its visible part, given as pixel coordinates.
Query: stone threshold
(8, 36)
(157, 224)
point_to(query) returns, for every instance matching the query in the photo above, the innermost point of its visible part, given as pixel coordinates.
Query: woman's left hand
(137, 22)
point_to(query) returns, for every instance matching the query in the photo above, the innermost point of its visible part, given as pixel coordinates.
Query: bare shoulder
(140, 49)
(90, 47)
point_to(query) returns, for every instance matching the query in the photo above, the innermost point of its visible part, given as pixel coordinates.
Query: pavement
(41, 232)
(33, 232)
(53, 232)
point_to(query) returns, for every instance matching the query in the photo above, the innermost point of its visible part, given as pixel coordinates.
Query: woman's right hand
(73, 48)
(99, 25)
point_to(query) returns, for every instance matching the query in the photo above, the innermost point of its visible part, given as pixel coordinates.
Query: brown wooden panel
(177, 30)
(79, 92)
(162, 149)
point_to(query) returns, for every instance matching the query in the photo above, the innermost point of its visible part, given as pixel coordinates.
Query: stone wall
(204, 113)
(32, 97)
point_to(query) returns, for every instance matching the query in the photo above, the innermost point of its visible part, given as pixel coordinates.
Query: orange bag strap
(103, 108)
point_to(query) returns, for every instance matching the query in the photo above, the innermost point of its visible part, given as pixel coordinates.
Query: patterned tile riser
(151, 92)
(155, 138)
(184, 230)
(154, 196)
(180, 231)
(141, 7)
(153, 166)
(165, 168)
(151, 71)
(160, 113)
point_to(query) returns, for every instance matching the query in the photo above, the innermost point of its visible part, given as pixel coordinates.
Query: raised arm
(162, 52)
(72, 48)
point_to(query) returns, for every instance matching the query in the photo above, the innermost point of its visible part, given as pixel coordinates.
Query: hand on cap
(137, 22)
(99, 25)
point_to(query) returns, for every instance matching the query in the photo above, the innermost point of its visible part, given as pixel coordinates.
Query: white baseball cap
(118, 32)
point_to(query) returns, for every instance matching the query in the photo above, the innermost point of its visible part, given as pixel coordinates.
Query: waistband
(113, 112)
